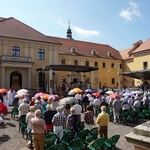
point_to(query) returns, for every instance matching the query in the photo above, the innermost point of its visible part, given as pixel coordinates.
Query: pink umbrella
(114, 95)
(53, 97)
(38, 94)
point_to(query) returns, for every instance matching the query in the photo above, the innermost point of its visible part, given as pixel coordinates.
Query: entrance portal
(16, 80)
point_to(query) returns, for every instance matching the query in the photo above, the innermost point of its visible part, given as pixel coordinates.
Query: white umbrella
(67, 100)
(71, 92)
(22, 91)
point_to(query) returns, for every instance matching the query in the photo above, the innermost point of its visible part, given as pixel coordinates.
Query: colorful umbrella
(127, 94)
(38, 94)
(77, 90)
(67, 100)
(114, 95)
(71, 92)
(3, 108)
(109, 92)
(88, 91)
(3, 90)
(21, 95)
(54, 97)
(22, 91)
(45, 96)
(97, 94)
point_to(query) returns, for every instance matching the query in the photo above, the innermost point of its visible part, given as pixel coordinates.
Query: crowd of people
(44, 115)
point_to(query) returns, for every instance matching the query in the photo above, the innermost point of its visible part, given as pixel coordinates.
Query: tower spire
(69, 32)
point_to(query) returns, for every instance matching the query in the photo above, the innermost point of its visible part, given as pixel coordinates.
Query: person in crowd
(78, 96)
(48, 116)
(23, 108)
(10, 97)
(32, 101)
(54, 104)
(72, 121)
(103, 102)
(85, 101)
(145, 102)
(38, 130)
(29, 116)
(102, 121)
(59, 122)
(89, 118)
(20, 101)
(130, 100)
(96, 105)
(5, 100)
(37, 105)
(136, 104)
(66, 110)
(124, 105)
(91, 99)
(116, 109)
(78, 109)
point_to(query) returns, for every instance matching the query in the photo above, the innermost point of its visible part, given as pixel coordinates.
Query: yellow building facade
(23, 50)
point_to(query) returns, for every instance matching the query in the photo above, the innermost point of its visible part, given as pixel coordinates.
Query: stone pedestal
(140, 137)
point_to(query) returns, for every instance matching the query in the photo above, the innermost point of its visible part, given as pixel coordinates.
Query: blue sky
(118, 23)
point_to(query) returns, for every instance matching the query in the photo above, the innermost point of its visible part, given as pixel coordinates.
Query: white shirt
(78, 109)
(96, 101)
(29, 116)
(78, 96)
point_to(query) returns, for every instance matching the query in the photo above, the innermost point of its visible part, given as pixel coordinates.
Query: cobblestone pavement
(12, 139)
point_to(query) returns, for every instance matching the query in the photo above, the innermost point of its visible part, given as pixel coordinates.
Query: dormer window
(93, 52)
(109, 54)
(73, 50)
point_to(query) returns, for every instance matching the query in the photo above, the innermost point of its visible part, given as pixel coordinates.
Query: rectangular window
(87, 63)
(76, 62)
(120, 66)
(41, 54)
(63, 62)
(96, 64)
(16, 51)
(144, 65)
(113, 81)
(104, 65)
(112, 65)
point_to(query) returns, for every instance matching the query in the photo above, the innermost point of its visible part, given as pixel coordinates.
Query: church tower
(69, 32)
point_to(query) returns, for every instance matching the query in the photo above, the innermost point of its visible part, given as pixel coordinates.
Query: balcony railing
(15, 59)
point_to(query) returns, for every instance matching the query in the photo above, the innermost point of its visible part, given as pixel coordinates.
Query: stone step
(143, 129)
(138, 140)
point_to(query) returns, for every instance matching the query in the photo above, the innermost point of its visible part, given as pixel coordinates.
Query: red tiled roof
(143, 47)
(85, 48)
(11, 27)
(125, 53)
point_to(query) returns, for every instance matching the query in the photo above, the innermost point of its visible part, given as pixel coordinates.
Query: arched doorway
(16, 80)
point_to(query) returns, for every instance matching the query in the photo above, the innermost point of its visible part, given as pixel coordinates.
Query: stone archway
(16, 80)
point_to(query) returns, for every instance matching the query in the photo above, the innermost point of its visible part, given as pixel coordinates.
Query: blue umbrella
(88, 91)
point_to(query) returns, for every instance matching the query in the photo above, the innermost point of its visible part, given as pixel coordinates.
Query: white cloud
(85, 33)
(61, 22)
(132, 11)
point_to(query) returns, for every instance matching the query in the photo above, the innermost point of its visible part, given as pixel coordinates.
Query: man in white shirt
(23, 108)
(78, 109)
